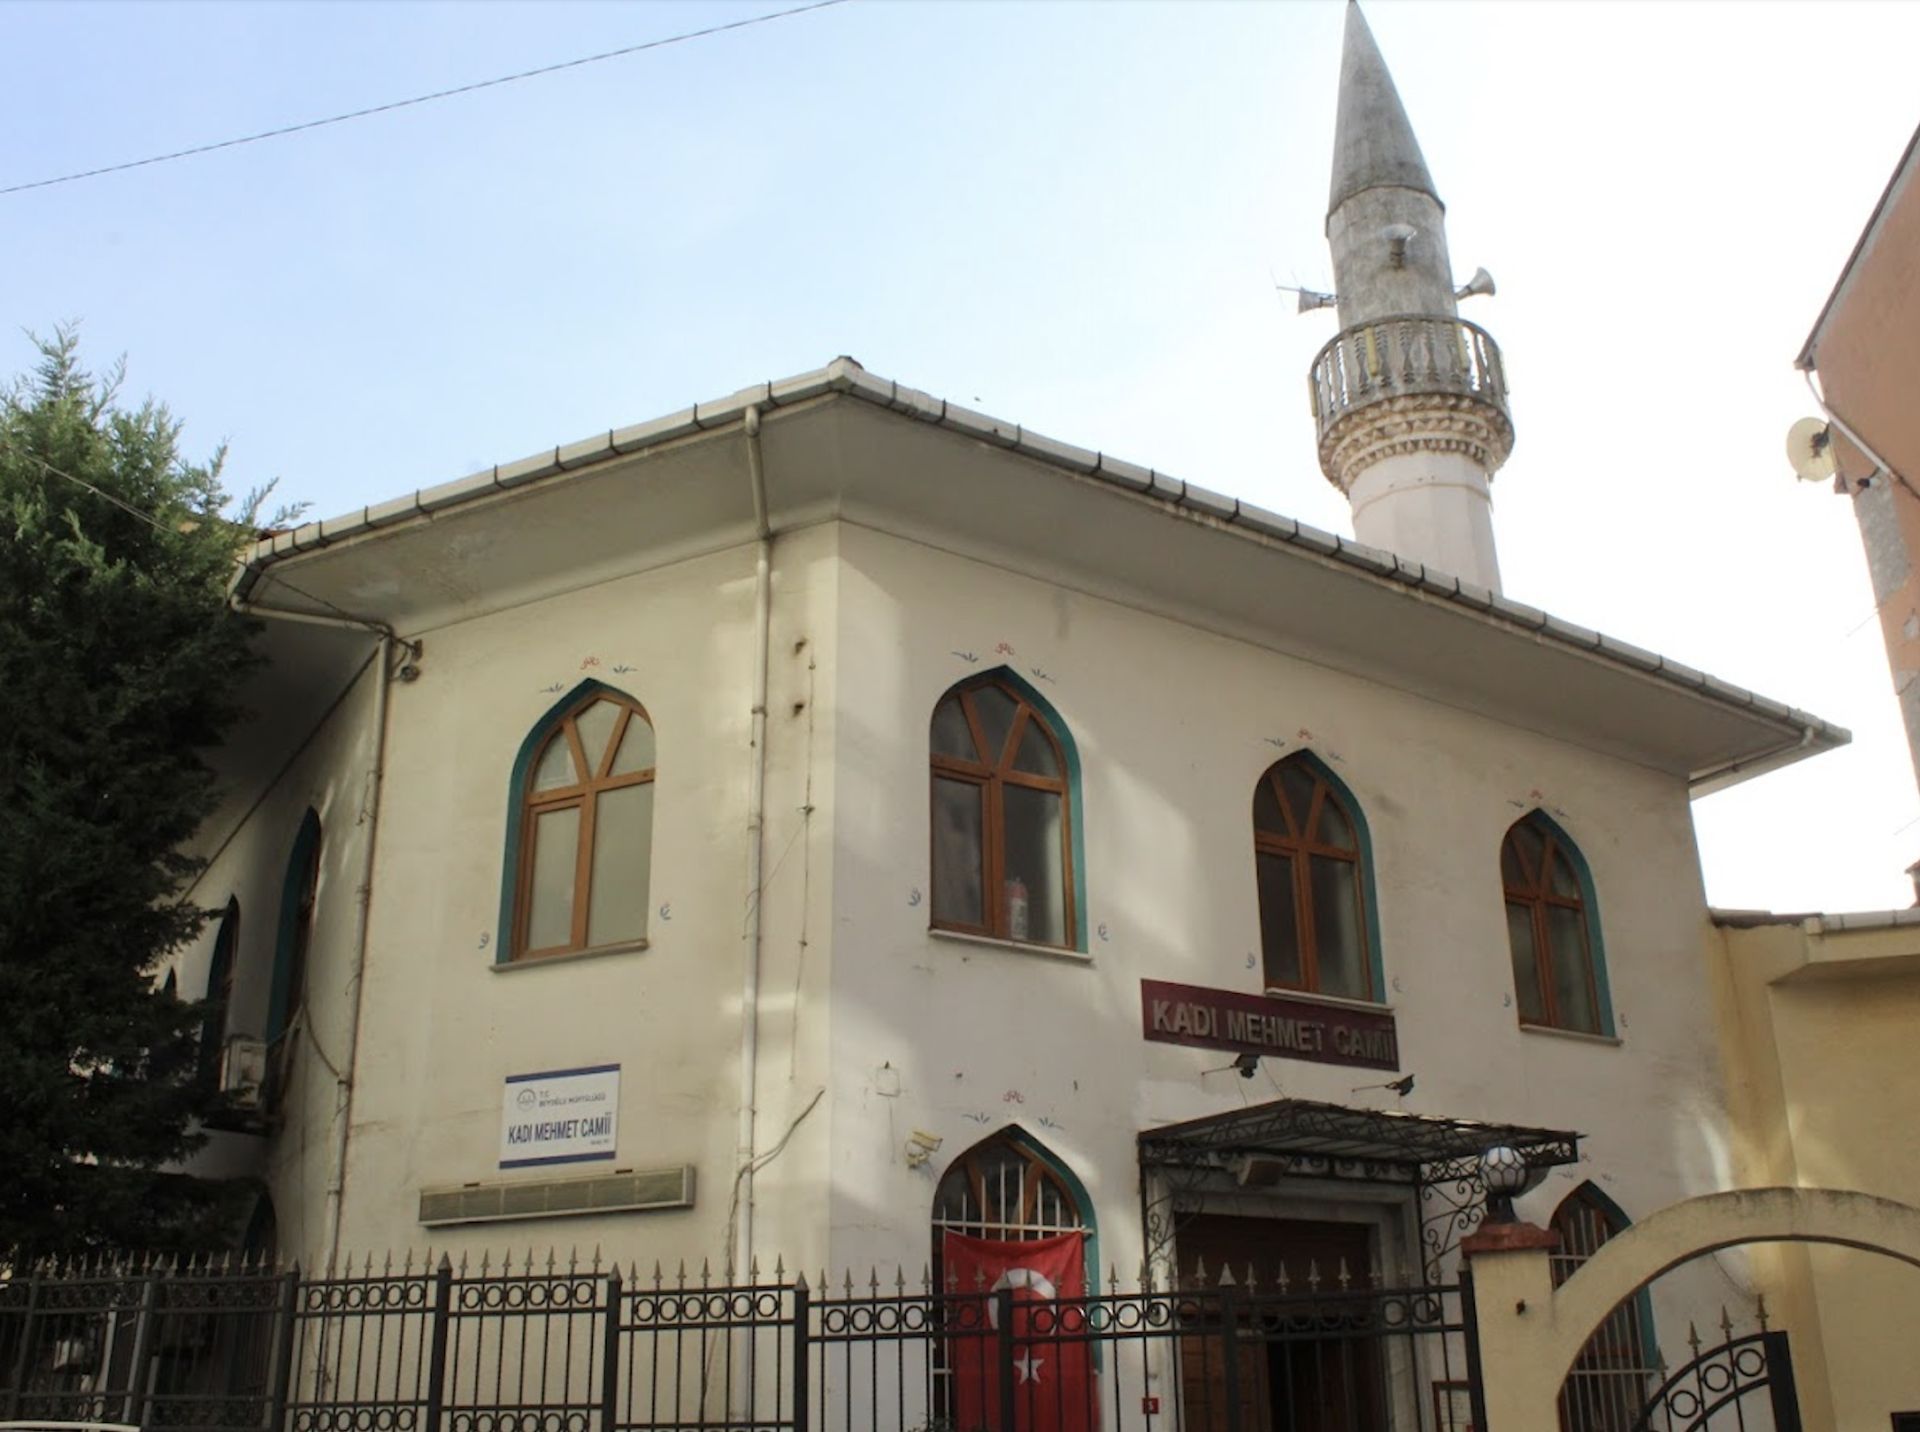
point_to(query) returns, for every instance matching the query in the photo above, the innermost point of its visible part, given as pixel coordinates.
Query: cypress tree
(120, 669)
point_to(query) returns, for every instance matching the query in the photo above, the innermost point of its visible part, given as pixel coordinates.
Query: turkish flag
(1044, 1356)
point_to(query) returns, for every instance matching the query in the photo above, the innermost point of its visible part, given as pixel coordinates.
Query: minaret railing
(1404, 356)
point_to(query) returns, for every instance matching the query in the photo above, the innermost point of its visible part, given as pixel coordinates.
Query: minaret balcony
(1415, 364)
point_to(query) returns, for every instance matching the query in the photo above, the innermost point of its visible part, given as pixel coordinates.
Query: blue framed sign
(560, 1116)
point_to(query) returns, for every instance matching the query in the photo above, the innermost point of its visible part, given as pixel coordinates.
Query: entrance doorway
(1307, 1357)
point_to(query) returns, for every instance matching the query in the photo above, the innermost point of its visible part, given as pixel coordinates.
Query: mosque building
(829, 819)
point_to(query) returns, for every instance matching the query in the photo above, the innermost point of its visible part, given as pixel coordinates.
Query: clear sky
(1070, 215)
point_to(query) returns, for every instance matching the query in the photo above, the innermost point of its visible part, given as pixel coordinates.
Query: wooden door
(1285, 1384)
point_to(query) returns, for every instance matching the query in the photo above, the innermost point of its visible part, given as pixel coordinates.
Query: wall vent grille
(629, 1191)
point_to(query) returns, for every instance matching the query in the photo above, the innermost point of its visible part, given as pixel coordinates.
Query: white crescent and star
(1040, 1286)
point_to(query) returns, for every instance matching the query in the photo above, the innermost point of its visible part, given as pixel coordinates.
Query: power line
(421, 99)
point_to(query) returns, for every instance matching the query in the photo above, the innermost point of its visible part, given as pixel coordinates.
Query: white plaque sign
(560, 1116)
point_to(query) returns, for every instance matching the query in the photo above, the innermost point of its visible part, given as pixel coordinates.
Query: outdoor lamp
(1503, 1172)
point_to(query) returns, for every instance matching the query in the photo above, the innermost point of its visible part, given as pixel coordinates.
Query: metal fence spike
(1346, 1278)
(1760, 1310)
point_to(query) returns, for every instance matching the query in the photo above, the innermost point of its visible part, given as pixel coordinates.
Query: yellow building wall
(1819, 1027)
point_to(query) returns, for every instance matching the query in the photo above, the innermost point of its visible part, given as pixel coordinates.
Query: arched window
(219, 996)
(1552, 929)
(299, 893)
(1310, 857)
(1005, 1188)
(1002, 816)
(1609, 1380)
(1007, 1204)
(583, 795)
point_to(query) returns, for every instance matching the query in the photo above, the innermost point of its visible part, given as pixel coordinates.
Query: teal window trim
(536, 736)
(219, 993)
(282, 999)
(1589, 910)
(1363, 835)
(1076, 819)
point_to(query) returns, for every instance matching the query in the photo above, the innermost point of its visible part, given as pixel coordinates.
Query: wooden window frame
(1539, 897)
(583, 795)
(993, 779)
(1298, 849)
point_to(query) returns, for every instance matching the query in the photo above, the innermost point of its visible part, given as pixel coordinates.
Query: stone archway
(1530, 1332)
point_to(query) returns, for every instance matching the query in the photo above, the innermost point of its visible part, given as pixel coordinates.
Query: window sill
(1579, 1036)
(1018, 947)
(625, 947)
(1331, 1001)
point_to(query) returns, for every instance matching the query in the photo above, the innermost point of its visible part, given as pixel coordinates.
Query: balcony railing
(1398, 357)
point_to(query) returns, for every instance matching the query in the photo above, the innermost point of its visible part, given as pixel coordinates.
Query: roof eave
(1795, 733)
(1809, 357)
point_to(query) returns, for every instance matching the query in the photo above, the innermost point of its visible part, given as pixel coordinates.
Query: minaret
(1411, 400)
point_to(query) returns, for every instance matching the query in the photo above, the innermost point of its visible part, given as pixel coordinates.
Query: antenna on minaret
(1410, 399)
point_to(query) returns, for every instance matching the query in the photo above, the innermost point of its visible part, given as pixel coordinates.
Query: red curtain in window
(1051, 1367)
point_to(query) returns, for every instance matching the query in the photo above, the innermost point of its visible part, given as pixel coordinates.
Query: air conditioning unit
(243, 1069)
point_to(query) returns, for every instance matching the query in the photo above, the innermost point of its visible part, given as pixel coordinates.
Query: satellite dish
(1810, 450)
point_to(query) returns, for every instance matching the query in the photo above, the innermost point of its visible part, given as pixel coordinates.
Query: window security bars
(585, 1348)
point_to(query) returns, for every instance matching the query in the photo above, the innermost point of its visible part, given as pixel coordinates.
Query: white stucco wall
(905, 1030)
(331, 775)
(445, 1023)
(1173, 726)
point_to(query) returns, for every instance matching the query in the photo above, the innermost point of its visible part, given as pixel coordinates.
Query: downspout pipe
(344, 1077)
(740, 1256)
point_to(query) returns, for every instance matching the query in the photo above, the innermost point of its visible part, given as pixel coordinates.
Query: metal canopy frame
(1438, 1158)
(1332, 1140)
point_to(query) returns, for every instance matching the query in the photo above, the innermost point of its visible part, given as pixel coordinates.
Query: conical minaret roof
(1373, 143)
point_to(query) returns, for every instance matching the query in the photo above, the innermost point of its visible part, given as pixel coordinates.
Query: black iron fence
(590, 1349)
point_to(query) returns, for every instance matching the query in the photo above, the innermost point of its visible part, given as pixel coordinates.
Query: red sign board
(1276, 1024)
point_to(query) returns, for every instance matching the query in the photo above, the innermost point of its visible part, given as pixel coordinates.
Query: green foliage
(120, 665)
